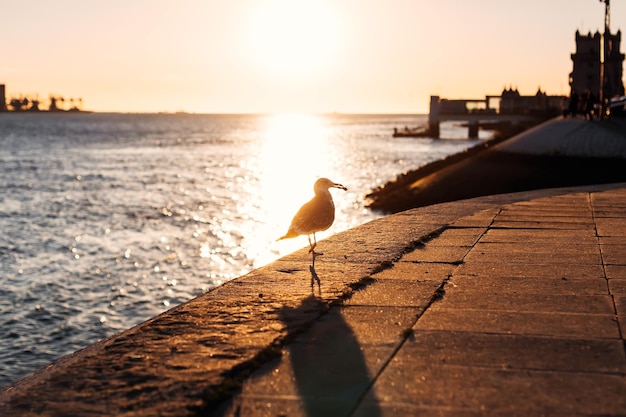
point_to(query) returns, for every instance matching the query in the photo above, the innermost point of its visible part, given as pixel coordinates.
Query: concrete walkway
(571, 137)
(496, 306)
(519, 309)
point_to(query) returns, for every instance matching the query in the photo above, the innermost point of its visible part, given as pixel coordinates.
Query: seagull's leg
(314, 245)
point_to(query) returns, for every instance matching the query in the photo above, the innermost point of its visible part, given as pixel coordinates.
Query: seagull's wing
(316, 215)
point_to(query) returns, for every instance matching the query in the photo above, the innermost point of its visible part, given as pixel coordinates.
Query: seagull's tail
(289, 235)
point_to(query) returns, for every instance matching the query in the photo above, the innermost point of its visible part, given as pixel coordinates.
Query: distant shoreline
(76, 111)
(184, 113)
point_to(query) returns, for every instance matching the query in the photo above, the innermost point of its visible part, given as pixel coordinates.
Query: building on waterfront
(586, 76)
(510, 102)
(509, 107)
(32, 103)
(541, 104)
(3, 98)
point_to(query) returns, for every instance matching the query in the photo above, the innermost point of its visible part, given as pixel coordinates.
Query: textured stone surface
(444, 310)
(506, 336)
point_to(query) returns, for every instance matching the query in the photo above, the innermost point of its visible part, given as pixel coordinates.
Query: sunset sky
(267, 56)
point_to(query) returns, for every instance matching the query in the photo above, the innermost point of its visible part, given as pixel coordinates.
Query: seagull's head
(324, 184)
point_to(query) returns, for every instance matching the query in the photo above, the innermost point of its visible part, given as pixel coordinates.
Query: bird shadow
(322, 371)
(328, 364)
(314, 277)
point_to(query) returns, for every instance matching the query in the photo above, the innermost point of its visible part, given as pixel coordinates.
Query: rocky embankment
(557, 153)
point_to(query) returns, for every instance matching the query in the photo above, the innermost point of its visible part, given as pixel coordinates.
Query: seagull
(316, 215)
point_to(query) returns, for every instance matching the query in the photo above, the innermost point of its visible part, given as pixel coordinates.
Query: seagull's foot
(312, 249)
(312, 252)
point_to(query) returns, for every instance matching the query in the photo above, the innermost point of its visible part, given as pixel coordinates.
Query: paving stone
(573, 222)
(448, 254)
(396, 293)
(608, 212)
(577, 202)
(616, 271)
(551, 208)
(531, 285)
(537, 224)
(405, 409)
(488, 350)
(458, 236)
(430, 271)
(540, 236)
(617, 286)
(266, 406)
(522, 257)
(513, 270)
(370, 408)
(612, 240)
(613, 254)
(498, 391)
(548, 207)
(480, 219)
(611, 226)
(378, 325)
(523, 323)
(459, 297)
(537, 248)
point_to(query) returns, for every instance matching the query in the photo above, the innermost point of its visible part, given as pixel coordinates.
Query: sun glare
(296, 151)
(293, 39)
(295, 154)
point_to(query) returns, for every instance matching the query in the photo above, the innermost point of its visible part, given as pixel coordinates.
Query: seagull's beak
(340, 186)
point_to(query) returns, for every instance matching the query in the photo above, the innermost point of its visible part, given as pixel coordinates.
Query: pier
(510, 107)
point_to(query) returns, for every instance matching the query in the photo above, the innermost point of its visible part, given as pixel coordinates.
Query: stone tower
(587, 69)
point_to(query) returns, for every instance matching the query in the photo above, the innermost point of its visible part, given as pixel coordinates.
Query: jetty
(509, 108)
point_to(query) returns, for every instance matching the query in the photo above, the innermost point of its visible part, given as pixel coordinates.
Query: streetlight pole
(603, 53)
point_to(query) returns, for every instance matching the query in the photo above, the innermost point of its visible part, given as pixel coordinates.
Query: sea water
(109, 219)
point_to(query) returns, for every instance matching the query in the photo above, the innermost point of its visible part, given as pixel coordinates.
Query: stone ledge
(192, 356)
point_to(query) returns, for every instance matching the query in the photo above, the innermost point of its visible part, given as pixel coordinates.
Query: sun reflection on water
(296, 150)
